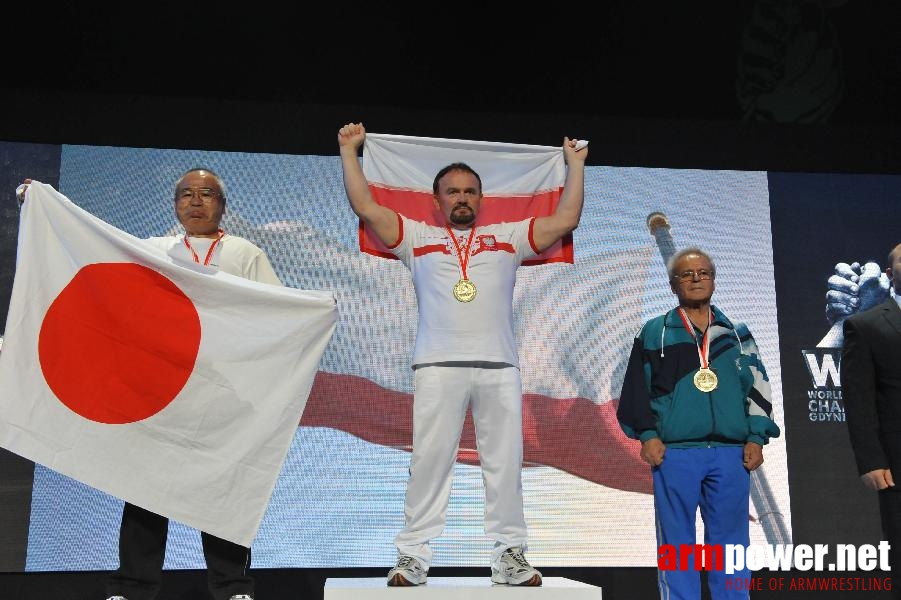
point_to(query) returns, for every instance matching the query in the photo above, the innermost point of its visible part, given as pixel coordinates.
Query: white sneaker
(241, 597)
(407, 572)
(117, 598)
(512, 568)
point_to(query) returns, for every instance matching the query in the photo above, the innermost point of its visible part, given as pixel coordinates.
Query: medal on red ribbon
(209, 253)
(465, 289)
(705, 378)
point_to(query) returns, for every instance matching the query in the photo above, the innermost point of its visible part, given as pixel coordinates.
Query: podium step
(458, 588)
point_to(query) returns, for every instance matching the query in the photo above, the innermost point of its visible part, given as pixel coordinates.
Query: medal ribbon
(462, 255)
(209, 253)
(704, 345)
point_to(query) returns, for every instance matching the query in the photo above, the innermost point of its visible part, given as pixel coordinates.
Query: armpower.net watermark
(823, 565)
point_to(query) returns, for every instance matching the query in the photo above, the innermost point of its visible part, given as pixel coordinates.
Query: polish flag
(174, 387)
(518, 182)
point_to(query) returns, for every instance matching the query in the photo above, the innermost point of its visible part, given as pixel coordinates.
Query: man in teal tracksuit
(698, 398)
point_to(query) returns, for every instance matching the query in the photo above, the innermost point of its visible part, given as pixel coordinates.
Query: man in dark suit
(871, 388)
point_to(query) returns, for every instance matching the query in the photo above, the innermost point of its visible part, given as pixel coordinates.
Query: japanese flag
(174, 387)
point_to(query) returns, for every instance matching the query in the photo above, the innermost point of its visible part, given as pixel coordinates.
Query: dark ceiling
(796, 61)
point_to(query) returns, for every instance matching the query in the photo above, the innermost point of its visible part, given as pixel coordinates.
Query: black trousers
(142, 549)
(890, 512)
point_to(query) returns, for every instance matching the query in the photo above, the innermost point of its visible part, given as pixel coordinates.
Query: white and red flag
(175, 387)
(518, 182)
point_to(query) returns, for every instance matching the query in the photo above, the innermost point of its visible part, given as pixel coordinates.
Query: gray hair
(215, 175)
(675, 258)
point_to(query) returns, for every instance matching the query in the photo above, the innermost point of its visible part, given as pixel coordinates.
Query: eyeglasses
(690, 274)
(206, 195)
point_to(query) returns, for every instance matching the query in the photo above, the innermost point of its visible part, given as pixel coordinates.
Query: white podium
(458, 588)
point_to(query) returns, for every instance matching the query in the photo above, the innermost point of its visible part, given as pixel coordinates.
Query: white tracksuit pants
(439, 407)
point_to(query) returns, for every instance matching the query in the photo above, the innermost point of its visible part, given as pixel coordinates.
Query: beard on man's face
(462, 214)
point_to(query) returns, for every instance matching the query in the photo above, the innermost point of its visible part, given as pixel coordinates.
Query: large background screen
(339, 500)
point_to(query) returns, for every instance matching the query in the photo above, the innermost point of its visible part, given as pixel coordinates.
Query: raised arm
(549, 229)
(381, 220)
(20, 192)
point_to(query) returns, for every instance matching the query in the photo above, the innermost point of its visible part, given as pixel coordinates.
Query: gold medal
(464, 290)
(705, 380)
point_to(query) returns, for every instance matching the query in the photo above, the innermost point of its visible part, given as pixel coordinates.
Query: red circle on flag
(119, 342)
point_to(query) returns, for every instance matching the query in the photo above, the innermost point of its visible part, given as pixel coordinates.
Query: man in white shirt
(465, 354)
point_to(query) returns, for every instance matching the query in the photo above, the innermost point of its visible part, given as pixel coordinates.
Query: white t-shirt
(234, 255)
(476, 331)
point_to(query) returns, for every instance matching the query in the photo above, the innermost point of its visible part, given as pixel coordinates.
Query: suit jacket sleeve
(858, 376)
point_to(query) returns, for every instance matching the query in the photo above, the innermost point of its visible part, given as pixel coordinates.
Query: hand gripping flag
(177, 388)
(519, 181)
